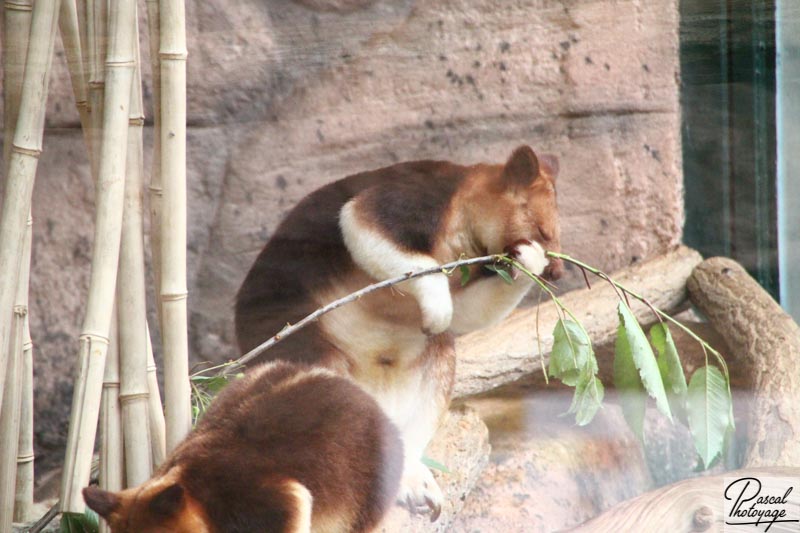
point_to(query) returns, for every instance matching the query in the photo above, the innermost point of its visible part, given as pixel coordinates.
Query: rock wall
(285, 96)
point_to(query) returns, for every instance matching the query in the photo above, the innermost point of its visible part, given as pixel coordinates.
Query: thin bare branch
(294, 328)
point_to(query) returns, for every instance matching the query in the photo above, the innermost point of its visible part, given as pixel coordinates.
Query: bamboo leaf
(640, 352)
(709, 406)
(628, 383)
(571, 353)
(588, 398)
(669, 365)
(464, 274)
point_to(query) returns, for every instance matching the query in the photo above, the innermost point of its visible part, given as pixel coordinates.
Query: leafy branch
(705, 404)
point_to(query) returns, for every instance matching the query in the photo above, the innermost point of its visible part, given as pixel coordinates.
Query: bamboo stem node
(174, 296)
(92, 337)
(120, 64)
(32, 152)
(175, 56)
(28, 458)
(18, 6)
(128, 398)
(158, 191)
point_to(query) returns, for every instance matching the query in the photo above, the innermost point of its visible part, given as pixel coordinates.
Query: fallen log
(690, 505)
(765, 339)
(509, 351)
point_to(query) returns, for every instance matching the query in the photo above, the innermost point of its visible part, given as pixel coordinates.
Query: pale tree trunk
(105, 255)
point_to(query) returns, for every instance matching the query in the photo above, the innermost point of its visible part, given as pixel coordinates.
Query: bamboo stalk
(172, 55)
(23, 501)
(156, 190)
(71, 40)
(9, 421)
(105, 255)
(17, 26)
(133, 395)
(96, 42)
(23, 160)
(155, 410)
(111, 449)
(12, 402)
(16, 30)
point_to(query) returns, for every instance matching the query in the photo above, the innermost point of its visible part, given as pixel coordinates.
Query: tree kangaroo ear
(549, 164)
(168, 501)
(522, 168)
(101, 501)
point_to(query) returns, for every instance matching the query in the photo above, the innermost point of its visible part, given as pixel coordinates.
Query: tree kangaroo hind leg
(428, 402)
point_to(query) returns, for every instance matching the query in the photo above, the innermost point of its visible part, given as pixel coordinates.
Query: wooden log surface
(509, 351)
(690, 505)
(763, 337)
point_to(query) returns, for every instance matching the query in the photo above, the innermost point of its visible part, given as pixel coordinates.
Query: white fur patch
(533, 257)
(303, 506)
(382, 259)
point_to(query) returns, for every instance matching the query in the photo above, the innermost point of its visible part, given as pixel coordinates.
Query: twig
(447, 269)
(657, 312)
(586, 278)
(44, 520)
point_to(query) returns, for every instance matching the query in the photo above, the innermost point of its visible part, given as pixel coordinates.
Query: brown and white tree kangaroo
(398, 344)
(265, 458)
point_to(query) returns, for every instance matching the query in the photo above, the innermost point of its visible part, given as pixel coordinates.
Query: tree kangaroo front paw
(530, 254)
(435, 303)
(419, 492)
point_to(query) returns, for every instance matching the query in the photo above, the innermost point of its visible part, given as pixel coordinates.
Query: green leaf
(628, 383)
(500, 272)
(572, 351)
(464, 274)
(436, 465)
(639, 350)
(87, 522)
(709, 406)
(588, 398)
(669, 365)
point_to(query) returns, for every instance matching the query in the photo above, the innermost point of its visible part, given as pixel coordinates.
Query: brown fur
(419, 205)
(395, 343)
(281, 427)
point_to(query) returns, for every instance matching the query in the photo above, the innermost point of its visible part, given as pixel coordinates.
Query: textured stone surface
(545, 473)
(594, 83)
(462, 445)
(287, 95)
